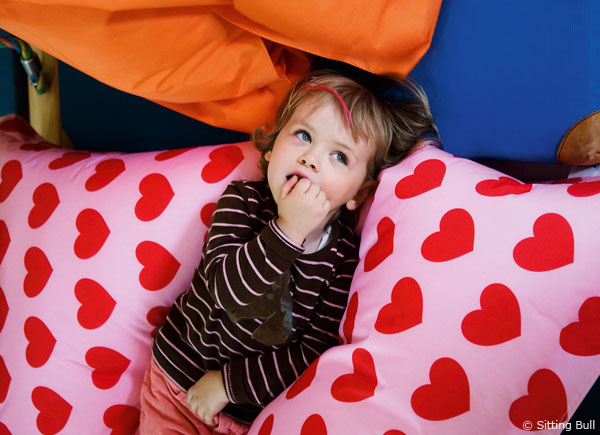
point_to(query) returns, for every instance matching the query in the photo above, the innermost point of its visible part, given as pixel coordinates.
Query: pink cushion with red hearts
(475, 309)
(94, 248)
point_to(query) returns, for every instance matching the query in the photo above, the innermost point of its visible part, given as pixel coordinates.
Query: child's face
(317, 144)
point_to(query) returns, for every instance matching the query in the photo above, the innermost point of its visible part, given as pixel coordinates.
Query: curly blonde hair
(394, 127)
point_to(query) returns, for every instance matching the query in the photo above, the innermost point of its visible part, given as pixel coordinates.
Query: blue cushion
(507, 78)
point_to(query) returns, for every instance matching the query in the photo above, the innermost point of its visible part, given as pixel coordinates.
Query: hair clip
(345, 109)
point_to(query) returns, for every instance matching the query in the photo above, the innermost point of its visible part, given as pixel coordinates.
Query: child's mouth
(291, 175)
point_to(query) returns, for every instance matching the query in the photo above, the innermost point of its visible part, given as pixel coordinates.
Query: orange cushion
(208, 59)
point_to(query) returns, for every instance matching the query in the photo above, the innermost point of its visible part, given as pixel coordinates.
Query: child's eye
(341, 157)
(303, 136)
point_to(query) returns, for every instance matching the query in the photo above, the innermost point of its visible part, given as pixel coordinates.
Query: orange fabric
(226, 63)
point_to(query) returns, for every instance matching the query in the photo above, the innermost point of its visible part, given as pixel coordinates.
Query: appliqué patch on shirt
(275, 307)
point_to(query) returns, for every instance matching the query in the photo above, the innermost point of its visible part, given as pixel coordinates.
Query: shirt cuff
(227, 382)
(234, 380)
(276, 241)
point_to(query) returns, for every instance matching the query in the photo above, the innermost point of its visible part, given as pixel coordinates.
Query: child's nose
(310, 160)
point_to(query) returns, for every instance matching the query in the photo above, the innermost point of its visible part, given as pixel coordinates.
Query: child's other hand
(208, 397)
(301, 207)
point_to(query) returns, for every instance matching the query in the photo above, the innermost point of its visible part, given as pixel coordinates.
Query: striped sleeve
(240, 265)
(259, 378)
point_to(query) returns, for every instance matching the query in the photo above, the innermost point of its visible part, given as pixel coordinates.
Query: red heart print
(360, 384)
(157, 316)
(394, 432)
(384, 246)
(3, 309)
(586, 188)
(267, 425)
(68, 159)
(223, 161)
(304, 381)
(499, 319)
(41, 342)
(552, 245)
(502, 186)
(54, 410)
(455, 238)
(37, 146)
(156, 195)
(169, 154)
(45, 201)
(573, 180)
(4, 380)
(583, 337)
(15, 124)
(93, 232)
(108, 366)
(206, 216)
(427, 176)
(314, 425)
(96, 303)
(106, 172)
(38, 269)
(546, 401)
(448, 394)
(351, 311)
(207, 212)
(11, 174)
(122, 419)
(4, 240)
(159, 268)
(405, 310)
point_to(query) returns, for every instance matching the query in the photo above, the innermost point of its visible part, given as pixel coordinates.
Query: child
(272, 286)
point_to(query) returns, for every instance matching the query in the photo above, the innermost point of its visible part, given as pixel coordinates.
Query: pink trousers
(164, 410)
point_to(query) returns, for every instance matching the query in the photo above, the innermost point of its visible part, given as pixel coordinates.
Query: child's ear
(268, 156)
(363, 193)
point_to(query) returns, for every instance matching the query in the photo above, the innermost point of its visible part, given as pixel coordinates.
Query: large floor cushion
(475, 309)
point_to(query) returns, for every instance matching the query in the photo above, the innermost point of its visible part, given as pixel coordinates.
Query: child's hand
(207, 397)
(301, 207)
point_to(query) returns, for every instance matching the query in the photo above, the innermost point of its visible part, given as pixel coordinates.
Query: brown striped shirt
(245, 255)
